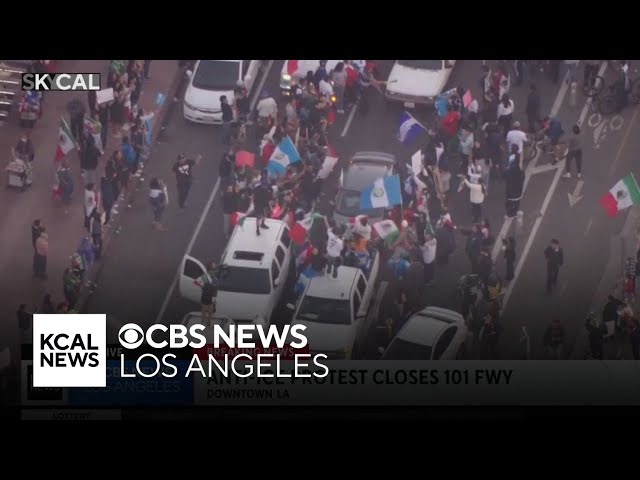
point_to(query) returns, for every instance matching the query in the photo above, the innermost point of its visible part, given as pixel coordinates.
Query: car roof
(425, 327)
(374, 157)
(361, 175)
(338, 288)
(244, 239)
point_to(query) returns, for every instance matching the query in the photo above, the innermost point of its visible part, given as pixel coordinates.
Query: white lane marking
(497, 247)
(589, 225)
(543, 169)
(176, 278)
(594, 120)
(349, 120)
(532, 169)
(532, 236)
(205, 212)
(616, 122)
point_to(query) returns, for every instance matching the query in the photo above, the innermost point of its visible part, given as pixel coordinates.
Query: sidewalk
(620, 247)
(64, 224)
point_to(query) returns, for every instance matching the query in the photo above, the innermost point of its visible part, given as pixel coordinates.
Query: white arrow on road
(575, 197)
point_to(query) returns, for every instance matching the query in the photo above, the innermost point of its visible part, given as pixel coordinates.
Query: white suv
(253, 280)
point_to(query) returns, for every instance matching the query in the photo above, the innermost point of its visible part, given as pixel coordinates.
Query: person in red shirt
(449, 125)
(352, 81)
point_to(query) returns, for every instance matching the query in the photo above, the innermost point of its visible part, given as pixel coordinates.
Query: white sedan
(431, 334)
(209, 80)
(416, 82)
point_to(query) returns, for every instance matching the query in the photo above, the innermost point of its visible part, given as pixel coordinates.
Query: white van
(256, 272)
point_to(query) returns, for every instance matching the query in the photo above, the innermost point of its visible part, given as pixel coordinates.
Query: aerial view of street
(399, 209)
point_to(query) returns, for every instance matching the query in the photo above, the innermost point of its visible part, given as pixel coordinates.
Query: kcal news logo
(70, 350)
(45, 82)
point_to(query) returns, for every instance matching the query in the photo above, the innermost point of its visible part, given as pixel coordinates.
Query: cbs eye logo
(131, 336)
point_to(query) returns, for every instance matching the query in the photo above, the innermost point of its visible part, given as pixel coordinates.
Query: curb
(158, 128)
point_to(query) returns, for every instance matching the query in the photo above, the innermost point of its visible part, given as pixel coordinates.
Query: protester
(36, 229)
(40, 255)
(108, 190)
(554, 340)
(95, 229)
(159, 200)
(574, 152)
(47, 305)
(90, 203)
(514, 179)
(555, 259)
(533, 109)
(183, 168)
(597, 333)
(429, 251)
(505, 113)
(509, 253)
(477, 194)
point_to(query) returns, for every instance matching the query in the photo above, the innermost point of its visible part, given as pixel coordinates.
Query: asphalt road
(142, 263)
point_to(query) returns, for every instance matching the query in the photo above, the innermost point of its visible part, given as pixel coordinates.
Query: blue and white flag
(408, 128)
(284, 155)
(382, 193)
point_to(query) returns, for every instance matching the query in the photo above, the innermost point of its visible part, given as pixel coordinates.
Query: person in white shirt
(505, 113)
(474, 171)
(90, 203)
(516, 137)
(335, 245)
(325, 87)
(428, 258)
(362, 227)
(267, 106)
(476, 197)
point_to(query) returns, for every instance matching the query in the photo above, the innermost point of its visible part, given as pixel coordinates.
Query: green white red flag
(623, 194)
(66, 142)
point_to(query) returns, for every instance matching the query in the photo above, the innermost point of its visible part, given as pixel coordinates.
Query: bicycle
(541, 142)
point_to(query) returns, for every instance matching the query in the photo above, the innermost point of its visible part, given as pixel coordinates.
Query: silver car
(363, 169)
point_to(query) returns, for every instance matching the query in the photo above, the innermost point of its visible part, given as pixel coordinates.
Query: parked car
(363, 169)
(211, 79)
(256, 270)
(417, 82)
(335, 310)
(294, 70)
(431, 334)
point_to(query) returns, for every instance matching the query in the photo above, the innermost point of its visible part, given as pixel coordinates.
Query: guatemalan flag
(408, 128)
(284, 155)
(384, 192)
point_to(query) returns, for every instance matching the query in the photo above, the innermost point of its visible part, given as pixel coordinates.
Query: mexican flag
(624, 194)
(237, 218)
(300, 230)
(66, 142)
(387, 230)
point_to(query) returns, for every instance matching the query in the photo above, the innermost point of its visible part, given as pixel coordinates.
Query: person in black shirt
(262, 194)
(184, 177)
(509, 252)
(555, 259)
(225, 169)
(229, 205)
(208, 304)
(36, 230)
(227, 118)
(533, 109)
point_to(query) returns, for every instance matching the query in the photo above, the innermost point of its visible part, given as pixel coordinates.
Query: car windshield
(348, 204)
(216, 75)
(324, 310)
(422, 64)
(403, 350)
(245, 280)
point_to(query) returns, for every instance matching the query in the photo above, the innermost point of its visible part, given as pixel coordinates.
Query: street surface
(137, 278)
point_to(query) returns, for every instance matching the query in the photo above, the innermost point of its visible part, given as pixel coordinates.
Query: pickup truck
(335, 310)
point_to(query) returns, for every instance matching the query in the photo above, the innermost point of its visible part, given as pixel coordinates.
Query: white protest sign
(416, 162)
(104, 96)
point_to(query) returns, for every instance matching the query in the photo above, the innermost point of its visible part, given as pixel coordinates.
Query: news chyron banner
(134, 379)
